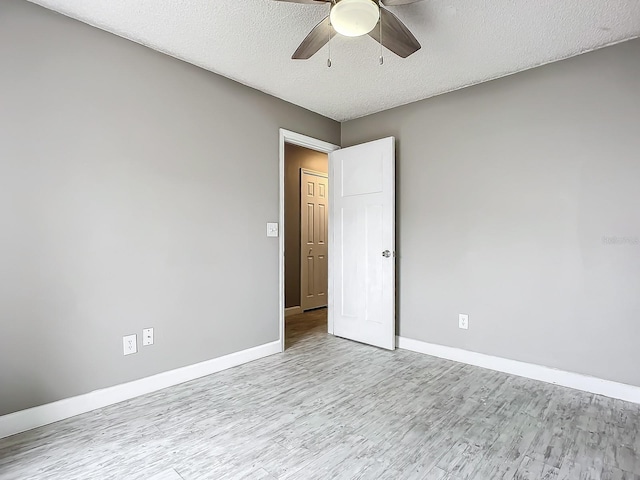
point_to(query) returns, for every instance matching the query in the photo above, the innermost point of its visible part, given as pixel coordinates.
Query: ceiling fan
(354, 18)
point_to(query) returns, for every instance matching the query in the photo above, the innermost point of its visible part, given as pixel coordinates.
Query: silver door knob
(386, 254)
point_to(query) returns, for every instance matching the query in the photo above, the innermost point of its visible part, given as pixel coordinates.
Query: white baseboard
(577, 381)
(69, 407)
(292, 311)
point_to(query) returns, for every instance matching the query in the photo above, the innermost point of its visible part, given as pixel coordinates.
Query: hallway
(306, 327)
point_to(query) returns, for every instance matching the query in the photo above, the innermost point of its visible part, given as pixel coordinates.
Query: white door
(314, 223)
(362, 250)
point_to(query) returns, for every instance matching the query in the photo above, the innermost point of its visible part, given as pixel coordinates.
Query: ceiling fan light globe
(353, 18)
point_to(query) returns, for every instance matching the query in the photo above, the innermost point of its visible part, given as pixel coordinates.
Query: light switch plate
(272, 229)
(130, 344)
(147, 337)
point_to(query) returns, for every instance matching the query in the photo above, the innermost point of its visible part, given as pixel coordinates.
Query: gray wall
(505, 192)
(295, 158)
(134, 192)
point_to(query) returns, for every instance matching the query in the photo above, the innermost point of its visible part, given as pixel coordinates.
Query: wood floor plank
(170, 474)
(613, 473)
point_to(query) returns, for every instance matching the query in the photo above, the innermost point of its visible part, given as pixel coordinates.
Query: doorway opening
(306, 212)
(360, 238)
(304, 243)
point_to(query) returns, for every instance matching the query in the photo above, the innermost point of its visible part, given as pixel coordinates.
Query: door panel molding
(313, 250)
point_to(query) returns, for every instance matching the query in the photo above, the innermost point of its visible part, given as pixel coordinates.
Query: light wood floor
(330, 408)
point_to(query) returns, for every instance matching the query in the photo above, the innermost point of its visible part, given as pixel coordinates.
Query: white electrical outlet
(147, 336)
(272, 229)
(130, 344)
(463, 321)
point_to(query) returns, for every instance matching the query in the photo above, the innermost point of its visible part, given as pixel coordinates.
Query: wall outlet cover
(147, 337)
(272, 229)
(130, 344)
(463, 321)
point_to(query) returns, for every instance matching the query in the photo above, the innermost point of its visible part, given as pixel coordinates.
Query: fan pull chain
(381, 51)
(329, 42)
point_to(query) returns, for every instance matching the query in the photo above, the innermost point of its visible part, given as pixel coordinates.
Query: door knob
(386, 254)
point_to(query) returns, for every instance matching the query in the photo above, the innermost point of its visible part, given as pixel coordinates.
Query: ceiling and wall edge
(497, 77)
(168, 53)
(229, 39)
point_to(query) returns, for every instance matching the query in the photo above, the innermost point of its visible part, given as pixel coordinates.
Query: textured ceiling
(463, 43)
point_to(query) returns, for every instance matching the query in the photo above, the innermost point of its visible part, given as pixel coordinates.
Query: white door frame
(294, 138)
